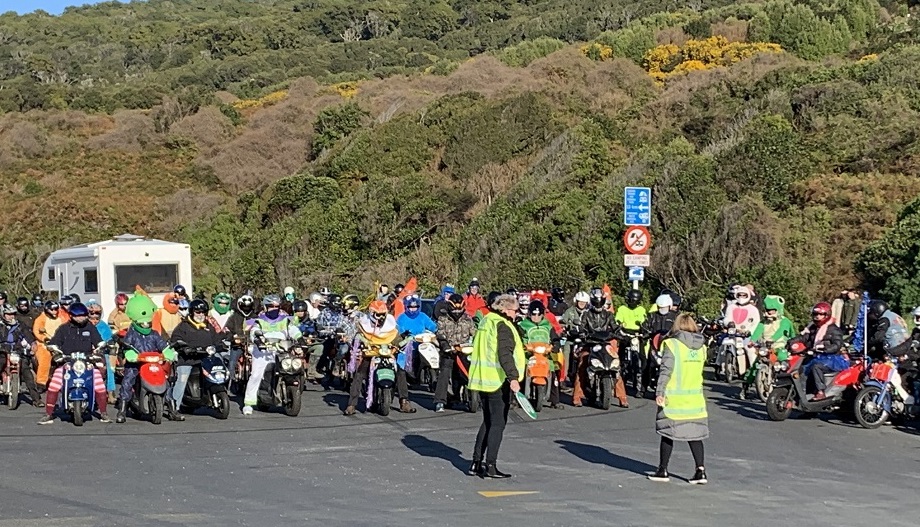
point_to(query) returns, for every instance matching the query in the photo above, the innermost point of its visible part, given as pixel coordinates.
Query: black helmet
(3, 296)
(37, 300)
(198, 306)
(75, 297)
(877, 308)
(299, 306)
(455, 306)
(51, 305)
(558, 294)
(22, 303)
(491, 298)
(536, 308)
(179, 290)
(78, 309)
(398, 288)
(633, 297)
(66, 301)
(597, 298)
(676, 298)
(335, 301)
(350, 302)
(512, 291)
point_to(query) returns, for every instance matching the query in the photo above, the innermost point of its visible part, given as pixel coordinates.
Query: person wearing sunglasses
(118, 319)
(44, 328)
(825, 338)
(96, 319)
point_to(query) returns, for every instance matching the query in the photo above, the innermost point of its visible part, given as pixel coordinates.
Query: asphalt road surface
(579, 467)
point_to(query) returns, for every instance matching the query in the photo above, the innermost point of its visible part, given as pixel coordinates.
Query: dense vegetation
(333, 142)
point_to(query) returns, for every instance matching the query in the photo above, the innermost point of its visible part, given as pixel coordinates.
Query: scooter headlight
(14, 358)
(297, 364)
(780, 366)
(596, 363)
(79, 367)
(616, 363)
(286, 363)
(219, 376)
(634, 342)
(763, 352)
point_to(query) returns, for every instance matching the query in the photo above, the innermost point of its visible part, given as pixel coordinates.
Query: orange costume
(43, 329)
(167, 318)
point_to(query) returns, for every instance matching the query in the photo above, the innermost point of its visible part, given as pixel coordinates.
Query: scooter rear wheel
(777, 409)
(155, 407)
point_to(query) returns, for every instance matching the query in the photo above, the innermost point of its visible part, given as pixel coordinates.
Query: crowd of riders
(333, 329)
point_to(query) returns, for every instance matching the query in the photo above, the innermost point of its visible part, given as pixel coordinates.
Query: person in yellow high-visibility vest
(496, 368)
(681, 405)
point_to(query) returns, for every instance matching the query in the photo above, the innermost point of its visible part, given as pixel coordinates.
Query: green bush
(528, 51)
(335, 123)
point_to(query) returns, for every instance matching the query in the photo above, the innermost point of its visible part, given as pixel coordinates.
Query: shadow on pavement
(602, 456)
(430, 448)
(336, 399)
(727, 399)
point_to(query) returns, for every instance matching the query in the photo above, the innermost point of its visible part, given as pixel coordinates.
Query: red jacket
(473, 304)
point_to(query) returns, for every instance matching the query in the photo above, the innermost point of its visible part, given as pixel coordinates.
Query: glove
(169, 354)
(130, 355)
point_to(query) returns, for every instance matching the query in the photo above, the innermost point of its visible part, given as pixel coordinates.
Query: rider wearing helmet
(193, 334)
(289, 294)
(118, 317)
(631, 315)
(410, 323)
(597, 319)
(536, 329)
(473, 300)
(523, 299)
(24, 312)
(168, 317)
(78, 335)
(377, 326)
(886, 329)
(95, 318)
(658, 322)
(236, 327)
(571, 327)
(455, 328)
(180, 292)
(332, 321)
(66, 302)
(825, 338)
(325, 292)
(541, 296)
(14, 335)
(219, 315)
(43, 329)
(139, 338)
(557, 303)
(317, 303)
(774, 331)
(743, 313)
(272, 323)
(38, 303)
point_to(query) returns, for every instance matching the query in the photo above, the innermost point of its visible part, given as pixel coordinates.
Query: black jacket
(831, 344)
(195, 338)
(73, 339)
(598, 321)
(18, 334)
(558, 307)
(506, 345)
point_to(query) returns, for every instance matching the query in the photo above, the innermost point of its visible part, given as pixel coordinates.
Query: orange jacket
(44, 326)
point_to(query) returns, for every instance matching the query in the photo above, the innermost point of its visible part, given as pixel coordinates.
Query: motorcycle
(381, 377)
(603, 368)
(16, 358)
(762, 373)
(730, 348)
(538, 374)
(789, 388)
(77, 397)
(207, 383)
(282, 380)
(882, 397)
(462, 378)
(427, 345)
(151, 385)
(632, 348)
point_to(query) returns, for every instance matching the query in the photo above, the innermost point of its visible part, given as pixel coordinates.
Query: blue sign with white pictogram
(637, 206)
(636, 274)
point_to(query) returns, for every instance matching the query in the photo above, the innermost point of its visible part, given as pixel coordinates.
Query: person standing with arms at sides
(681, 405)
(496, 369)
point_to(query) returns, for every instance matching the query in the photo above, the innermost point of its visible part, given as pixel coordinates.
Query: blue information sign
(636, 274)
(637, 206)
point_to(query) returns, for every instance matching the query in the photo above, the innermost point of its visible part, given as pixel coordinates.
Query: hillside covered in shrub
(332, 142)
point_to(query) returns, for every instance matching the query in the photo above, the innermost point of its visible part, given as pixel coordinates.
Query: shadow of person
(336, 399)
(430, 448)
(602, 456)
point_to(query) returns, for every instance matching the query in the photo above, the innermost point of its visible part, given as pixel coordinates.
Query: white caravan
(103, 269)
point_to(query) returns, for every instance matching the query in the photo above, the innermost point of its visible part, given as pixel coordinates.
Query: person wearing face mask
(195, 331)
(455, 328)
(166, 319)
(78, 335)
(774, 331)
(825, 338)
(376, 327)
(413, 322)
(139, 338)
(536, 329)
(236, 327)
(13, 335)
(272, 323)
(290, 295)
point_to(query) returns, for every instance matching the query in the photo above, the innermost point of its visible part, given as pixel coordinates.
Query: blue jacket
(414, 326)
(152, 342)
(104, 330)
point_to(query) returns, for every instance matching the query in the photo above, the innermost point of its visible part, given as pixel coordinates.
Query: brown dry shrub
(208, 128)
(733, 30)
(25, 139)
(493, 180)
(191, 206)
(671, 35)
(303, 88)
(226, 97)
(134, 131)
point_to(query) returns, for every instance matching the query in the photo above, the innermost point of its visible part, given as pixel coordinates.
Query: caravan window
(90, 281)
(154, 279)
(51, 274)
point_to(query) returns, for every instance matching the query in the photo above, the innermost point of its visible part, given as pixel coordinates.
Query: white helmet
(916, 314)
(742, 296)
(582, 296)
(316, 297)
(664, 303)
(325, 291)
(288, 290)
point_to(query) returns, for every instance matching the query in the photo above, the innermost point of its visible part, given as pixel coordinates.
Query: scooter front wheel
(606, 387)
(292, 407)
(384, 400)
(13, 398)
(78, 407)
(223, 405)
(777, 409)
(869, 414)
(155, 405)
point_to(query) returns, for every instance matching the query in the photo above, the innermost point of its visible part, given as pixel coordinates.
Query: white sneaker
(247, 410)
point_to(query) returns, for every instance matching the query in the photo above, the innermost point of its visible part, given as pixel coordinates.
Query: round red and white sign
(637, 239)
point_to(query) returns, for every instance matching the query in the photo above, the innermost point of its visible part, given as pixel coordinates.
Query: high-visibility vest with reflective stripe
(486, 373)
(684, 392)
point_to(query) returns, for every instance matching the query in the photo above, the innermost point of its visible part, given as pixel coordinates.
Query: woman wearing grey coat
(681, 405)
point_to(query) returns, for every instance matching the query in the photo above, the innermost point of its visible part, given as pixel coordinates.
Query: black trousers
(445, 377)
(357, 384)
(817, 375)
(667, 446)
(495, 408)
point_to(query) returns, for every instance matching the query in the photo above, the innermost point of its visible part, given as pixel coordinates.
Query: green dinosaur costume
(140, 309)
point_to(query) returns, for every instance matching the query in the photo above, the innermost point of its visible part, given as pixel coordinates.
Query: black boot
(475, 468)
(171, 413)
(122, 408)
(492, 472)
